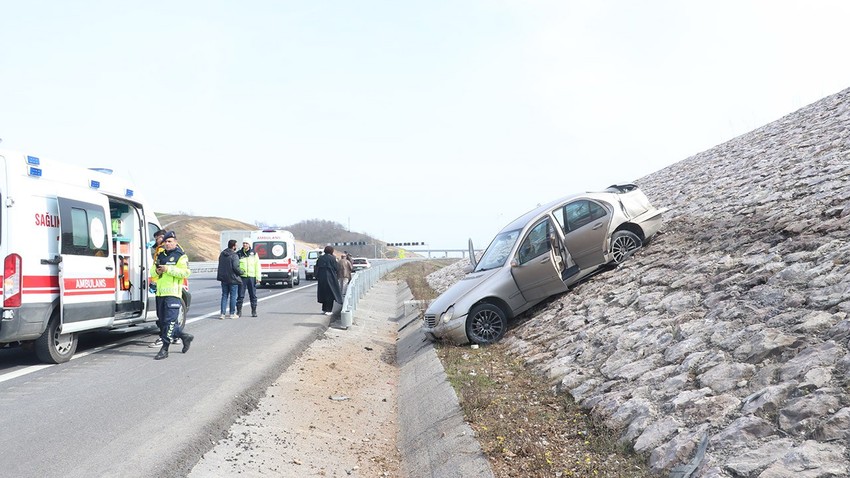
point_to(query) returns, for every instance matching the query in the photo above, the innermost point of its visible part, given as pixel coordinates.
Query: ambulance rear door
(86, 267)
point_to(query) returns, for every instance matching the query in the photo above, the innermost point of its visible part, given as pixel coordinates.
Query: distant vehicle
(310, 263)
(359, 263)
(542, 253)
(235, 234)
(275, 249)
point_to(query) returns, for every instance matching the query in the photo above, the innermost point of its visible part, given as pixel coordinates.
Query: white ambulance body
(276, 250)
(74, 245)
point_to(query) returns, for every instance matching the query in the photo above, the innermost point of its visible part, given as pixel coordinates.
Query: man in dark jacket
(326, 274)
(229, 274)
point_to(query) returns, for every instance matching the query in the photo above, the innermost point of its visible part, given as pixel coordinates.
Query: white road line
(35, 368)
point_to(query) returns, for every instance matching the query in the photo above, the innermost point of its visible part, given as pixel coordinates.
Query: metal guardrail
(360, 283)
(203, 266)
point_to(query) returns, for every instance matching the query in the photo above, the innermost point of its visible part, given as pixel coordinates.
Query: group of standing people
(239, 272)
(333, 277)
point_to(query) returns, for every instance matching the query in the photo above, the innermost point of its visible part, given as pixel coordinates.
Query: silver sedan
(539, 254)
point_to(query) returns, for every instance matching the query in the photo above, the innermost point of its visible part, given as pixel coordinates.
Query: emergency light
(33, 161)
(34, 172)
(128, 193)
(94, 184)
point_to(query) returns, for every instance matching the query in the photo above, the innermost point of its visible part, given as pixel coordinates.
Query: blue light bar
(35, 172)
(94, 184)
(128, 193)
(33, 161)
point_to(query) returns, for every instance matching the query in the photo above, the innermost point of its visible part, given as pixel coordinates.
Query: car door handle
(597, 226)
(110, 268)
(545, 260)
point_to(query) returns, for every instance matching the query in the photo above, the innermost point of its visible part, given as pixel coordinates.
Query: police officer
(251, 275)
(157, 250)
(172, 266)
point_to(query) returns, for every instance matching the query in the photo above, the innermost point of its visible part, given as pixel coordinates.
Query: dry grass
(524, 428)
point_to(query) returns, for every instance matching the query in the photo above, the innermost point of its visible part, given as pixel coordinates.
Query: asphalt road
(114, 411)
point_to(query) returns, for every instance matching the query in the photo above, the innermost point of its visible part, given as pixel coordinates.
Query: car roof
(530, 216)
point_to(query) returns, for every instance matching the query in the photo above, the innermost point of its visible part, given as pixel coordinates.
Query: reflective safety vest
(170, 283)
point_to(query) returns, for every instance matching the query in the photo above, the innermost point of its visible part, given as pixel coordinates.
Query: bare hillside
(199, 235)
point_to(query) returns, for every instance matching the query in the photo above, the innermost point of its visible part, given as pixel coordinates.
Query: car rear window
(312, 255)
(359, 261)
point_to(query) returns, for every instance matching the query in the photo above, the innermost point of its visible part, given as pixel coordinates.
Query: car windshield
(498, 251)
(359, 261)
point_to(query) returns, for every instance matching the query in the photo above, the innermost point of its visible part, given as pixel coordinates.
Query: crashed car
(542, 253)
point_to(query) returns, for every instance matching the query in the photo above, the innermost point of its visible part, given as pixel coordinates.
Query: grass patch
(524, 428)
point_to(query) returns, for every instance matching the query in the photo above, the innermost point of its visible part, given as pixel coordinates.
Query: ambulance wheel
(297, 280)
(54, 347)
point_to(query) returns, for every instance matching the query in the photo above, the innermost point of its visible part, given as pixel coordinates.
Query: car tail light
(12, 276)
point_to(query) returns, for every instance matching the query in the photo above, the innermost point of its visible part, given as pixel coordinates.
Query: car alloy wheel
(485, 324)
(623, 245)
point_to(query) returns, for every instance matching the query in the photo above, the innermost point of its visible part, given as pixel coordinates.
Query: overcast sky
(411, 121)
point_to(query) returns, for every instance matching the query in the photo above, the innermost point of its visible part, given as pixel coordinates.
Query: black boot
(253, 311)
(163, 352)
(239, 310)
(187, 341)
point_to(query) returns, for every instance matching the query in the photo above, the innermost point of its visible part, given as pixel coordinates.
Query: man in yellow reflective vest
(251, 276)
(172, 266)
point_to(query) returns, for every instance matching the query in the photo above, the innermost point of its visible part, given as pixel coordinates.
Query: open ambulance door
(86, 268)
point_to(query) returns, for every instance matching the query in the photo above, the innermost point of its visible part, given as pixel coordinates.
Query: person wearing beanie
(251, 276)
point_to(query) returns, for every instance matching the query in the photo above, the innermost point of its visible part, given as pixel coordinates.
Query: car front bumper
(453, 331)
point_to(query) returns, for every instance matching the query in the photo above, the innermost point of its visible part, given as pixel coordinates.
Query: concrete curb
(434, 440)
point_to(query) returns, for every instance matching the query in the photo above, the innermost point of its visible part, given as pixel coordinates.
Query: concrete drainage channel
(434, 440)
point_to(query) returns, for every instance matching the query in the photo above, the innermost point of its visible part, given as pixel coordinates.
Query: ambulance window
(270, 249)
(87, 234)
(152, 228)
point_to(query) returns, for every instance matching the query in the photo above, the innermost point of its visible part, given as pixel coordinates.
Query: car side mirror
(468, 268)
(514, 263)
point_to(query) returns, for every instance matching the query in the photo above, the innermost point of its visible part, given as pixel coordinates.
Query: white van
(310, 263)
(74, 243)
(276, 250)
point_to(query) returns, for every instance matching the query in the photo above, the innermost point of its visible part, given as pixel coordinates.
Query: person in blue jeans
(230, 276)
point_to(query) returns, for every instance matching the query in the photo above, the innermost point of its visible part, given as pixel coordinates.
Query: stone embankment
(732, 325)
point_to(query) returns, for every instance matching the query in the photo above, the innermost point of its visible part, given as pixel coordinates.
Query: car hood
(459, 290)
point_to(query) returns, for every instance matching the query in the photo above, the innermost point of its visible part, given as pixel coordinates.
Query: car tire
(296, 281)
(54, 347)
(623, 245)
(486, 324)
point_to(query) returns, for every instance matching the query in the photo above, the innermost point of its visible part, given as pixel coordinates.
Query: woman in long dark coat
(326, 274)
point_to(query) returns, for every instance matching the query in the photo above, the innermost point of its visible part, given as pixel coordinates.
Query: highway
(114, 411)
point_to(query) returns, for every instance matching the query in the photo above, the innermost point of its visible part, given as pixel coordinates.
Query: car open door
(86, 268)
(537, 266)
(585, 229)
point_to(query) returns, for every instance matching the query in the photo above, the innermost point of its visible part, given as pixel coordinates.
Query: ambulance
(75, 244)
(276, 250)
